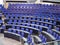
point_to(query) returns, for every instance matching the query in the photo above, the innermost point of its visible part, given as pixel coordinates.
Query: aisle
(1, 39)
(7, 41)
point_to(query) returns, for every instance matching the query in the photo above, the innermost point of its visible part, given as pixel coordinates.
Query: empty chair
(29, 39)
(14, 31)
(22, 28)
(22, 34)
(9, 30)
(42, 38)
(31, 31)
(27, 30)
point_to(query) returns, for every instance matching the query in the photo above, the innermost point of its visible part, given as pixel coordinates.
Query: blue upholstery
(54, 34)
(33, 18)
(29, 40)
(43, 38)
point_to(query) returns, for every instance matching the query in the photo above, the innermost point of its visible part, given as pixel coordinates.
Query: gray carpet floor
(8, 41)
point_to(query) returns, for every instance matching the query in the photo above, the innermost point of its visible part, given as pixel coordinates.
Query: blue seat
(50, 21)
(10, 21)
(9, 30)
(46, 25)
(46, 20)
(15, 20)
(22, 34)
(27, 30)
(50, 26)
(29, 40)
(50, 31)
(57, 29)
(54, 34)
(43, 38)
(40, 35)
(33, 22)
(14, 31)
(31, 31)
(19, 32)
(1, 21)
(22, 28)
(59, 37)
(42, 24)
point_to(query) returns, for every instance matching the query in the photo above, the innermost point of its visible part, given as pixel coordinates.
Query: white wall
(1, 1)
(53, 0)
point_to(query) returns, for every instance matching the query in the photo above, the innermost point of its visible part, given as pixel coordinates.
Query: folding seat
(38, 23)
(50, 26)
(51, 21)
(57, 36)
(54, 34)
(7, 17)
(46, 20)
(41, 23)
(31, 31)
(18, 27)
(50, 31)
(9, 30)
(33, 18)
(27, 29)
(36, 27)
(44, 39)
(24, 24)
(1, 21)
(38, 19)
(14, 27)
(15, 21)
(29, 39)
(40, 29)
(46, 25)
(57, 29)
(54, 23)
(10, 21)
(22, 34)
(24, 21)
(22, 28)
(32, 26)
(27, 24)
(40, 35)
(14, 31)
(19, 21)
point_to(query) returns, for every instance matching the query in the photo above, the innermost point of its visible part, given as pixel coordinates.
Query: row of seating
(21, 27)
(31, 18)
(42, 23)
(43, 15)
(43, 12)
(23, 34)
(1, 21)
(40, 26)
(49, 33)
(32, 6)
(56, 35)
